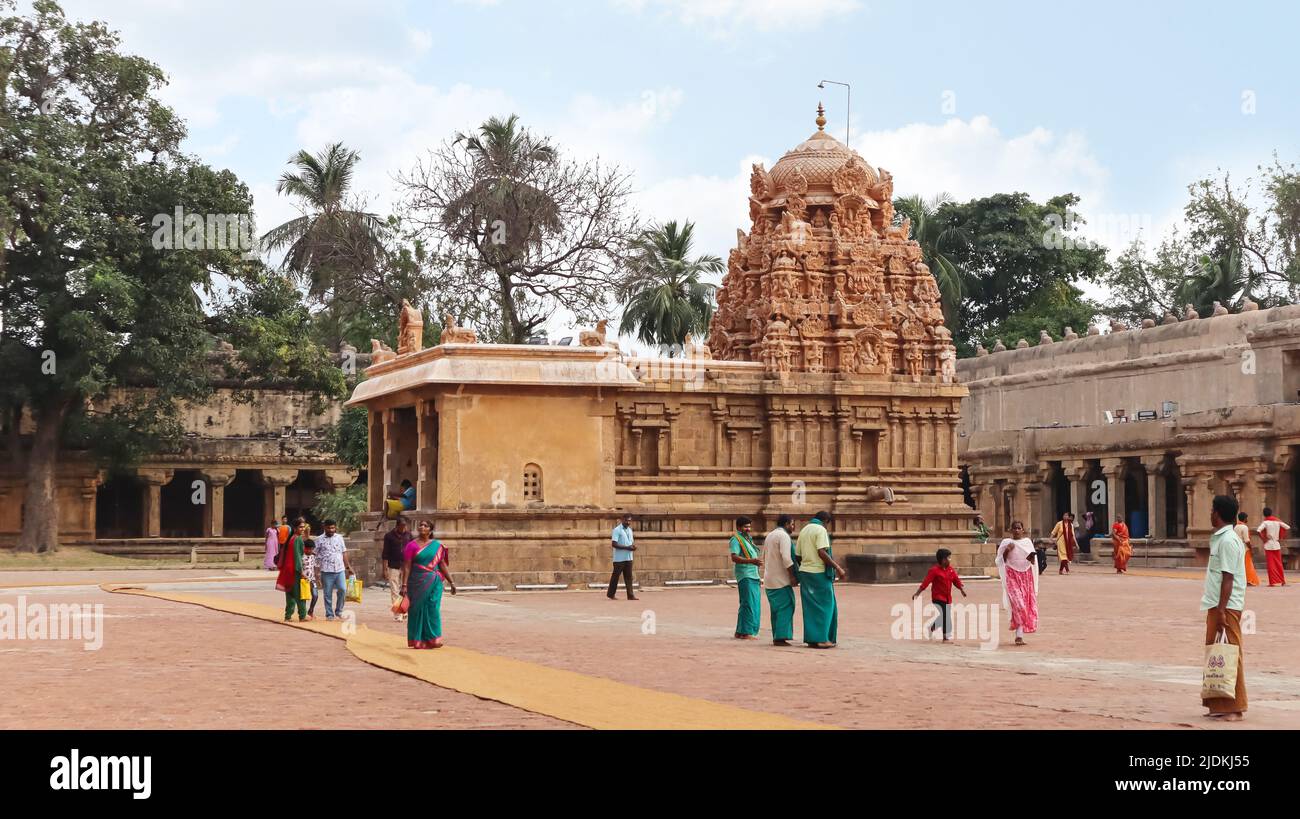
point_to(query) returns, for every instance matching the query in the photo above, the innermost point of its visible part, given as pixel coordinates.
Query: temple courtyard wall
(1196, 408)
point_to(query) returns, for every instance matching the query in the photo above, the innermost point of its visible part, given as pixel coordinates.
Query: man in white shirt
(1273, 531)
(332, 557)
(779, 578)
(621, 541)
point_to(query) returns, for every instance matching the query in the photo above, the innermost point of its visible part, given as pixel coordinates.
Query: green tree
(1228, 251)
(938, 240)
(345, 507)
(515, 232)
(349, 438)
(95, 296)
(1015, 250)
(664, 295)
(1057, 306)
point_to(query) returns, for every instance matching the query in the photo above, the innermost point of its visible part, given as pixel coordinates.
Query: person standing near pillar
(272, 546)
(1224, 599)
(1272, 531)
(1063, 532)
(817, 574)
(780, 575)
(747, 562)
(622, 542)
(394, 558)
(1089, 524)
(1121, 545)
(1242, 531)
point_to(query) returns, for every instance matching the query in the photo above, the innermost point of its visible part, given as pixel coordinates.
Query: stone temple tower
(825, 282)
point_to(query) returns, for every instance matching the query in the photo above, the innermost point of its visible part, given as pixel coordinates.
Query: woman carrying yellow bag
(291, 575)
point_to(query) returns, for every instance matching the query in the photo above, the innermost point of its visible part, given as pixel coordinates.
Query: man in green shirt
(817, 568)
(1224, 598)
(746, 560)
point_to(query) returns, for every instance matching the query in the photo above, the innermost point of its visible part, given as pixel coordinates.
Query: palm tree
(501, 211)
(328, 240)
(1223, 279)
(937, 243)
(664, 295)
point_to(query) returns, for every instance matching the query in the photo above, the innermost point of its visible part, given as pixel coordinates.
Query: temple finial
(821, 117)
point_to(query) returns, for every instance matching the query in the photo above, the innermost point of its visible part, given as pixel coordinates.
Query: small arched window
(532, 483)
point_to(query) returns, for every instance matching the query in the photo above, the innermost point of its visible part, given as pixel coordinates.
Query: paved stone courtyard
(1121, 652)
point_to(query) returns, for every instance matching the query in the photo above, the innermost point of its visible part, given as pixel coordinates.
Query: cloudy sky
(1124, 103)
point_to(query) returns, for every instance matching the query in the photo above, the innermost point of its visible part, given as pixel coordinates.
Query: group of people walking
(1272, 531)
(307, 566)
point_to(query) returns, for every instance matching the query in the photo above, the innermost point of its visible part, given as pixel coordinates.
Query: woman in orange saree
(1123, 549)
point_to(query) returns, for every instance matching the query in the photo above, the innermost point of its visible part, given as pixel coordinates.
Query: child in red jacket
(941, 578)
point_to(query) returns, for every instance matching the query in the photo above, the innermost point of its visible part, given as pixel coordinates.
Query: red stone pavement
(1112, 651)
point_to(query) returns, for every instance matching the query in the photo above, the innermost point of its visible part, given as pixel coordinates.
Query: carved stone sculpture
(1190, 314)
(999, 347)
(451, 334)
(1148, 323)
(1094, 330)
(593, 338)
(1022, 344)
(1044, 337)
(1117, 326)
(980, 351)
(1170, 318)
(1249, 305)
(1220, 310)
(380, 352)
(410, 330)
(1070, 335)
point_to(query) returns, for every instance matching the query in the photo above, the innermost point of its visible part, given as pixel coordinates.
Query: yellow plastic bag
(1219, 679)
(354, 589)
(304, 589)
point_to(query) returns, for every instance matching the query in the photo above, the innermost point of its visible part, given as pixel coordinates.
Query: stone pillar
(776, 419)
(846, 443)
(1156, 506)
(895, 440)
(720, 437)
(635, 435)
(375, 468)
(664, 443)
(391, 479)
(1266, 484)
(152, 481)
(755, 436)
(1200, 492)
(426, 456)
(275, 480)
(732, 448)
(1035, 519)
(1113, 469)
(214, 511)
(1077, 473)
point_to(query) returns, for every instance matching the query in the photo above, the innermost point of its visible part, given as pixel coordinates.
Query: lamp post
(848, 106)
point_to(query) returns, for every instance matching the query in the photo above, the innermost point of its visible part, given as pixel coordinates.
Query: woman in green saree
(423, 573)
(291, 575)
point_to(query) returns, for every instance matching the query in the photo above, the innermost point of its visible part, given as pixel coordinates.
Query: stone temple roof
(817, 158)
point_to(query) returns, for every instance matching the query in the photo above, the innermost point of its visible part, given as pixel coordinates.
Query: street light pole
(848, 106)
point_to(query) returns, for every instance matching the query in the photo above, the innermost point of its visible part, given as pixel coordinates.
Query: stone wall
(1035, 439)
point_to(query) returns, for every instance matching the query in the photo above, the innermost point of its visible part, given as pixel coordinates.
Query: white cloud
(718, 205)
(969, 159)
(724, 17)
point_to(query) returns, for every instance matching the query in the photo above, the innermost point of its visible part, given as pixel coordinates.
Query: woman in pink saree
(272, 546)
(1016, 566)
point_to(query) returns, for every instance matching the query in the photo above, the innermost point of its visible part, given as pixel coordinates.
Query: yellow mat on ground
(594, 702)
